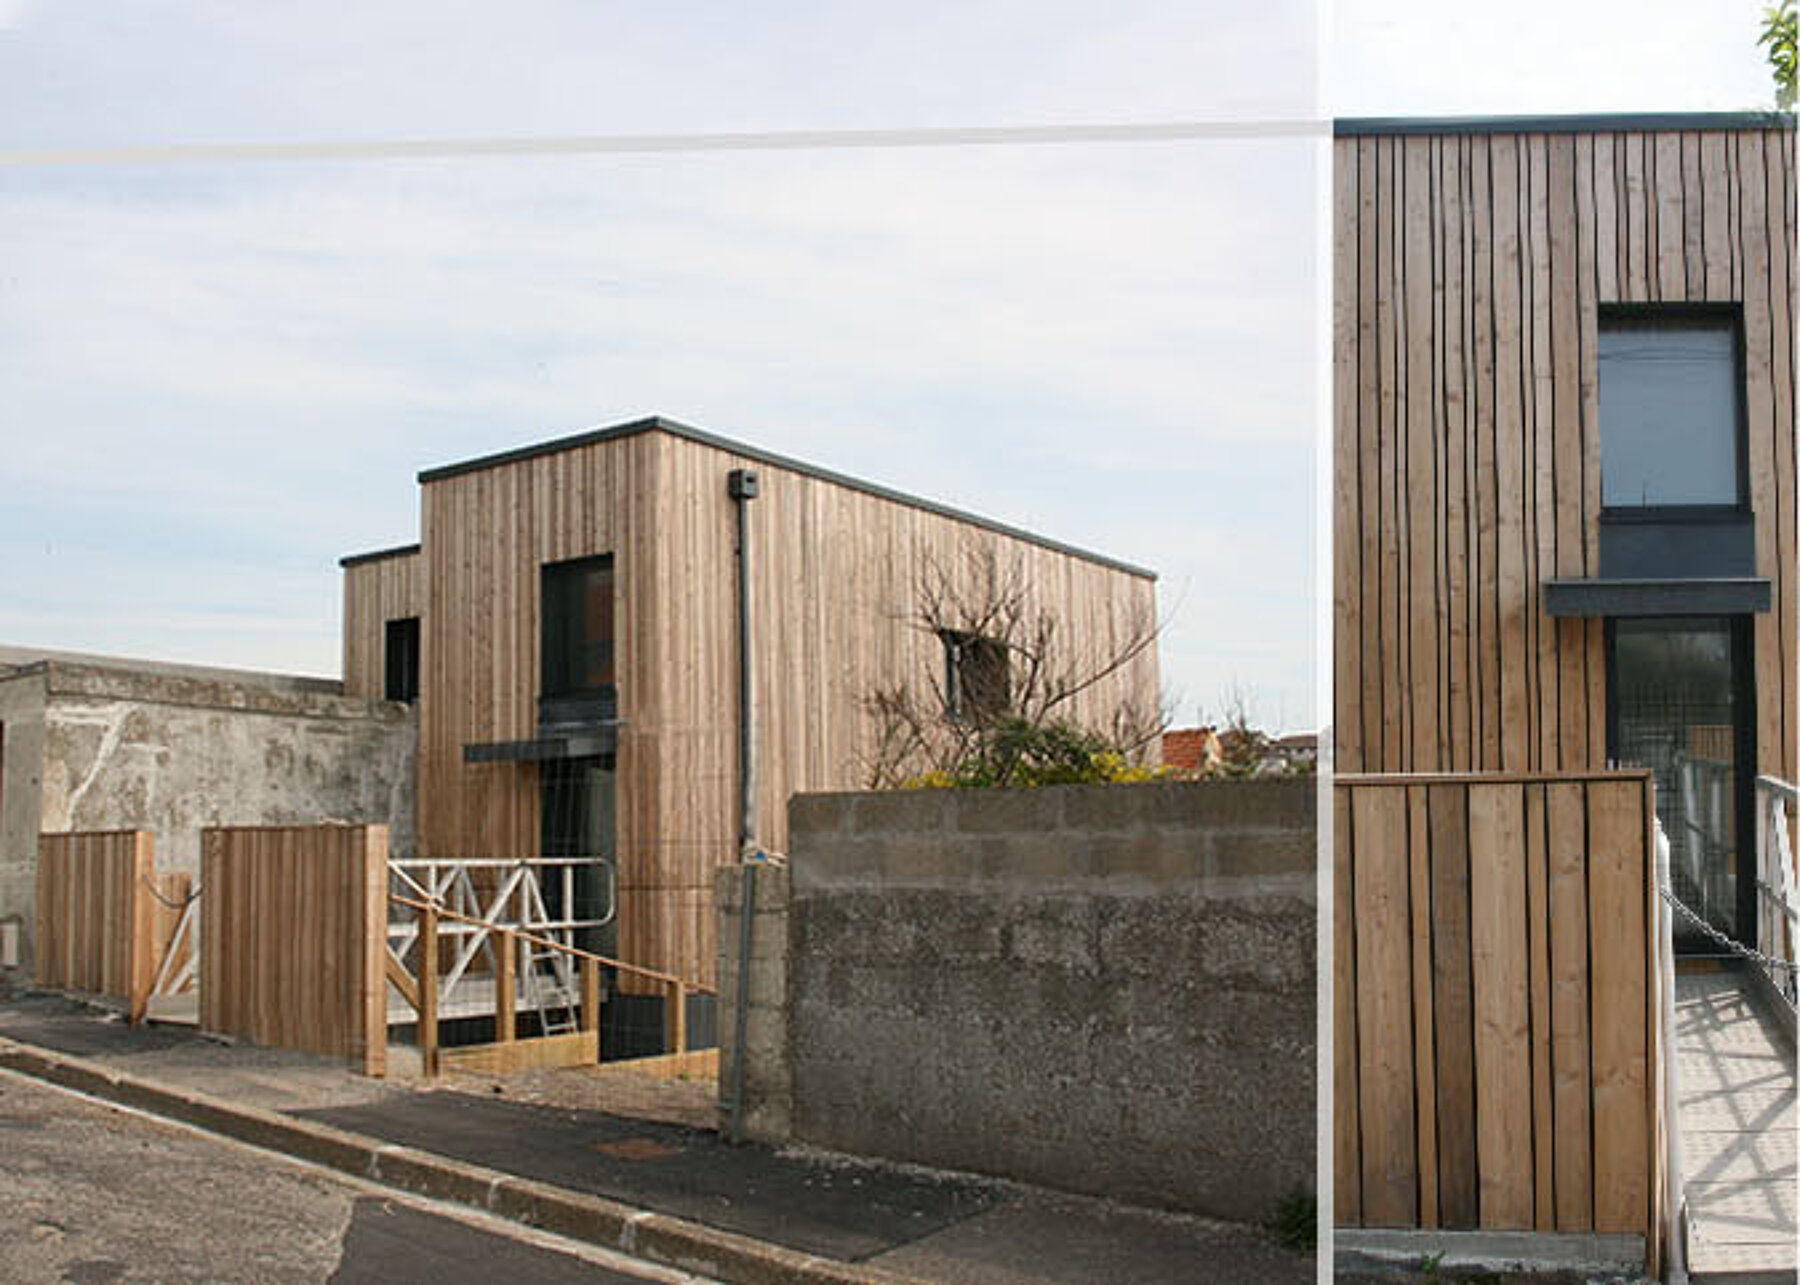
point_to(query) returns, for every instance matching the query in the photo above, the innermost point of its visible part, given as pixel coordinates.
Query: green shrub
(1015, 752)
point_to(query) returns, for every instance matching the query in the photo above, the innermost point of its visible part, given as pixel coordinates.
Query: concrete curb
(1583, 1253)
(654, 1237)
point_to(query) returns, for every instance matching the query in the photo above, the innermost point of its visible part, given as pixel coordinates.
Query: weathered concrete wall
(22, 700)
(174, 751)
(768, 1086)
(1103, 989)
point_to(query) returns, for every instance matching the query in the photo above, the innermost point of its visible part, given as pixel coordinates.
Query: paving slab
(1043, 1239)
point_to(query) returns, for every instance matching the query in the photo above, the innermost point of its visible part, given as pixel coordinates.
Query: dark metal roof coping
(657, 423)
(1595, 123)
(377, 555)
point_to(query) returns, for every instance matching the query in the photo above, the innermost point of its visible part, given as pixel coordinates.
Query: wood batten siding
(293, 939)
(486, 534)
(836, 574)
(1469, 273)
(1496, 1055)
(377, 589)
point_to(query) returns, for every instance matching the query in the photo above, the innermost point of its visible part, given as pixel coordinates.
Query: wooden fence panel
(1497, 983)
(292, 942)
(1380, 898)
(95, 918)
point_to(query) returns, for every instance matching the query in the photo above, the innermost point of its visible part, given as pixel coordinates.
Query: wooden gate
(293, 939)
(105, 918)
(1495, 1052)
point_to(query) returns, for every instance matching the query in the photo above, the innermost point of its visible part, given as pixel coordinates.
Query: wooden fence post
(590, 999)
(506, 954)
(428, 990)
(678, 1021)
(140, 916)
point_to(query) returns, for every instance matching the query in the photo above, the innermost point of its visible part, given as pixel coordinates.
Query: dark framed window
(402, 656)
(976, 681)
(1671, 408)
(577, 627)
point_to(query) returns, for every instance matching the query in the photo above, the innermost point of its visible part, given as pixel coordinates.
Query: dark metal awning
(1713, 596)
(587, 743)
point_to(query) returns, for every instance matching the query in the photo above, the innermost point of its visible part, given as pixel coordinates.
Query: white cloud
(1047, 336)
(1410, 57)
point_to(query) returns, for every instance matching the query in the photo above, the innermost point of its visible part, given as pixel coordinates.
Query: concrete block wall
(1101, 989)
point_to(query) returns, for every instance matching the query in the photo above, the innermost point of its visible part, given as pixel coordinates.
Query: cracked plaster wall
(87, 749)
(22, 701)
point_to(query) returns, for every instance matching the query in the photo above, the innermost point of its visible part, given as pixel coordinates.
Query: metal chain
(156, 892)
(1736, 947)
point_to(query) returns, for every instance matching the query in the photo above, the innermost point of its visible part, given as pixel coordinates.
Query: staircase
(550, 991)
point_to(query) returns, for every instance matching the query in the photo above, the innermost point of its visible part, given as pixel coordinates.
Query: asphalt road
(95, 1195)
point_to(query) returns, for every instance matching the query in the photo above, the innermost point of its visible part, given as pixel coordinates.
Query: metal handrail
(1675, 1194)
(448, 882)
(1776, 786)
(424, 989)
(1778, 901)
(574, 952)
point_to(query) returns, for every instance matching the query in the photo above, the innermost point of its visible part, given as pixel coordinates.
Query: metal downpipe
(742, 486)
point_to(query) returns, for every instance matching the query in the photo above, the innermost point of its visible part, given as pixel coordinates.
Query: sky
(218, 375)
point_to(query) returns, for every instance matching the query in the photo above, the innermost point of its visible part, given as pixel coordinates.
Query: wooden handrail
(667, 979)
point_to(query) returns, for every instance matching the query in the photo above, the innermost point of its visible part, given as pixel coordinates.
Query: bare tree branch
(1049, 677)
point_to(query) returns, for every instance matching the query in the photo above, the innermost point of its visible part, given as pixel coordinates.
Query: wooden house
(570, 625)
(1564, 505)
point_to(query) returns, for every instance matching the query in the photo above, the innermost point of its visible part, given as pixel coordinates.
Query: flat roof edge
(378, 555)
(657, 423)
(1593, 123)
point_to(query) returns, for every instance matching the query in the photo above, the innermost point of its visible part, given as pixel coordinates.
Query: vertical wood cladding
(1469, 274)
(835, 572)
(377, 589)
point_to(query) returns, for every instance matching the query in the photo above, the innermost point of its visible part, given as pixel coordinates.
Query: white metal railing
(1674, 1191)
(485, 894)
(1777, 905)
(1702, 841)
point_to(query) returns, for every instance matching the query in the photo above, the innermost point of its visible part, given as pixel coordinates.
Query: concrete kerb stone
(424, 1174)
(674, 1242)
(654, 1237)
(335, 1148)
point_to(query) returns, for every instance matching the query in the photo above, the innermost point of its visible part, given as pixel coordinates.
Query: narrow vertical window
(403, 659)
(577, 627)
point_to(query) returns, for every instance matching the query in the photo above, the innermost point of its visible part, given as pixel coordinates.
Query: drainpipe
(742, 487)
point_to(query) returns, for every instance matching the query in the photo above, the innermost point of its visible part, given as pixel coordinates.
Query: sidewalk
(667, 1192)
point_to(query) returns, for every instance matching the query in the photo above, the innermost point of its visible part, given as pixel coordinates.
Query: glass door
(1680, 706)
(578, 821)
